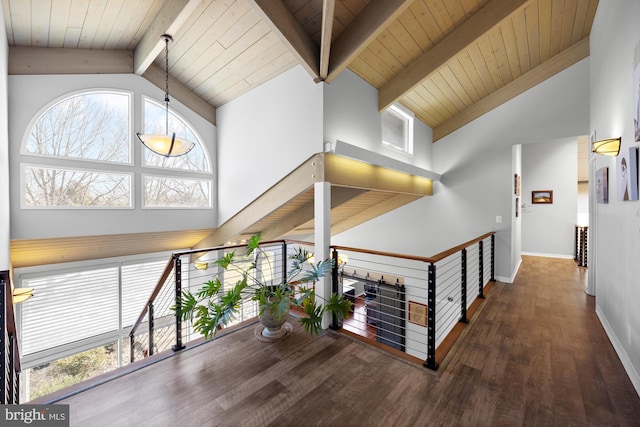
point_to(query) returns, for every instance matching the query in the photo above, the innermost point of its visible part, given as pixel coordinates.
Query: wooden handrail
(431, 259)
(165, 274)
(169, 268)
(448, 252)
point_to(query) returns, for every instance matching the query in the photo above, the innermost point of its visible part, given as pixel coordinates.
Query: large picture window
(49, 187)
(88, 126)
(80, 155)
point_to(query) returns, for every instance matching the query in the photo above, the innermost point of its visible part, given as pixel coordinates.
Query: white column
(322, 214)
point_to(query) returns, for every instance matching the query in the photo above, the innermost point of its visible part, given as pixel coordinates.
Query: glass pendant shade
(608, 147)
(166, 145)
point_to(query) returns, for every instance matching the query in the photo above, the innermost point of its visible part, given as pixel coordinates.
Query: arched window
(81, 156)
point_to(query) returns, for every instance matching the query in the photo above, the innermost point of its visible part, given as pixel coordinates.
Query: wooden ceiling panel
(224, 48)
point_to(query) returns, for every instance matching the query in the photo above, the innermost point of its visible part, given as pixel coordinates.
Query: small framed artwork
(517, 207)
(542, 196)
(628, 174)
(418, 313)
(516, 184)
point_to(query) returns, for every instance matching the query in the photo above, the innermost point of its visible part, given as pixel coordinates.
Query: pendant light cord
(166, 80)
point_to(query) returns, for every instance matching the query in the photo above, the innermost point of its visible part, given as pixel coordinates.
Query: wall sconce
(21, 294)
(607, 147)
(201, 265)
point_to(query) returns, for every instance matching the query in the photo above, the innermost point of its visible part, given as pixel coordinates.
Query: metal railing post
(336, 322)
(493, 256)
(12, 373)
(3, 344)
(463, 288)
(132, 356)
(177, 268)
(151, 327)
(431, 319)
(480, 269)
(284, 260)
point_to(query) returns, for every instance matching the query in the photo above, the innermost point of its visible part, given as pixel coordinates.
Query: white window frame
(143, 198)
(407, 116)
(23, 196)
(70, 95)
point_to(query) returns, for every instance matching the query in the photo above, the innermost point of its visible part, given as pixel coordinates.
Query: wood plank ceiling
(449, 61)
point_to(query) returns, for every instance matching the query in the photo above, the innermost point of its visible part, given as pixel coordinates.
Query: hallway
(534, 354)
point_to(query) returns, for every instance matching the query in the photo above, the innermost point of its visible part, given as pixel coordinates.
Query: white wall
(615, 39)
(351, 115)
(28, 95)
(516, 208)
(4, 155)
(265, 134)
(549, 229)
(477, 166)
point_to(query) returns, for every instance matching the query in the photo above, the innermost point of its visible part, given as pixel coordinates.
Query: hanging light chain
(166, 38)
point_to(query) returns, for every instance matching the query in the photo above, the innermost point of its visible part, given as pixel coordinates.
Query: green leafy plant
(212, 307)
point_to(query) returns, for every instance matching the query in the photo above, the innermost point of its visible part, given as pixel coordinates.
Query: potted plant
(212, 307)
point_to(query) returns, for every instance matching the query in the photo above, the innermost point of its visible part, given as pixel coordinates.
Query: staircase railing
(418, 300)
(10, 359)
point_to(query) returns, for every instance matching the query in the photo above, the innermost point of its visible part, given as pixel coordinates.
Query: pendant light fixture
(168, 145)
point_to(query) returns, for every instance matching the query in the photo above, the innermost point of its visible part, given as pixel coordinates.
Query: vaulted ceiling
(449, 61)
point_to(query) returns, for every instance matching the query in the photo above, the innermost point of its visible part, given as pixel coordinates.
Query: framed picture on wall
(516, 184)
(636, 102)
(602, 185)
(542, 196)
(628, 174)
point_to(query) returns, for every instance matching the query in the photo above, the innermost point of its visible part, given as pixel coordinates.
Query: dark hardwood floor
(534, 354)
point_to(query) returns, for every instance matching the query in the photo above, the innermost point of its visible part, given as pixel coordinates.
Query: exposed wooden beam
(364, 29)
(328, 7)
(182, 93)
(294, 184)
(43, 60)
(292, 34)
(547, 69)
(468, 32)
(168, 20)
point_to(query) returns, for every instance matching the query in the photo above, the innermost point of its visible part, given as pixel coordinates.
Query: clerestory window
(397, 129)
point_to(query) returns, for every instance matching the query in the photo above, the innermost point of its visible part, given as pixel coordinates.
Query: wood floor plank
(534, 353)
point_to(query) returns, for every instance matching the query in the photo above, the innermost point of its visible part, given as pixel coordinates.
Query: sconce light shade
(21, 294)
(200, 265)
(166, 145)
(607, 147)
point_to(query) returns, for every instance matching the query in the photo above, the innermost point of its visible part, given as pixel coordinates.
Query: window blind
(69, 307)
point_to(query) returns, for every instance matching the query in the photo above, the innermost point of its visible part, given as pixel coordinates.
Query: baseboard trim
(563, 256)
(505, 279)
(633, 374)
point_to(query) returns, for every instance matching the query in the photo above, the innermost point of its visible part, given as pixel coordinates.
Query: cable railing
(10, 359)
(408, 303)
(413, 303)
(159, 328)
